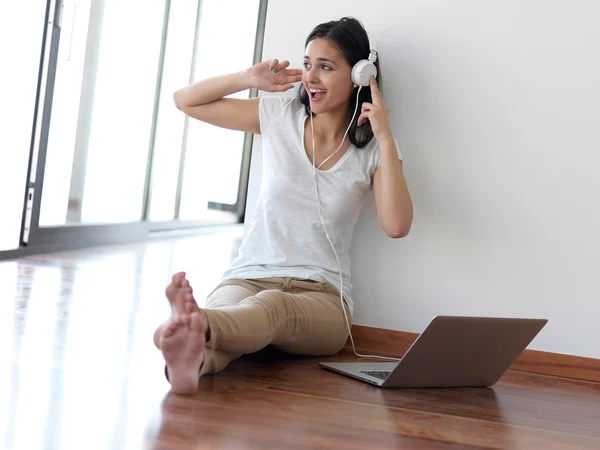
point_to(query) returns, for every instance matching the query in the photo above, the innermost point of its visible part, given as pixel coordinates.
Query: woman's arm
(204, 100)
(394, 205)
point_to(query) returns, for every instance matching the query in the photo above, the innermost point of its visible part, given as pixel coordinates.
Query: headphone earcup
(362, 72)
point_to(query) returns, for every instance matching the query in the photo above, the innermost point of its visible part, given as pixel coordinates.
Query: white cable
(327, 234)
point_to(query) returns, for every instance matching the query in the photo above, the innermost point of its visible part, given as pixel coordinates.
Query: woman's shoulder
(369, 156)
(372, 147)
(280, 102)
(368, 150)
(275, 108)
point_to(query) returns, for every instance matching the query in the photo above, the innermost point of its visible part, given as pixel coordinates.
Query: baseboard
(379, 341)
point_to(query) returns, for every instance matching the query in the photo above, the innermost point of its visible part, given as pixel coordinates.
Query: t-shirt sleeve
(376, 161)
(270, 109)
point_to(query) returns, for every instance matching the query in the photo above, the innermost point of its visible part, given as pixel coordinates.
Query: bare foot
(182, 301)
(180, 293)
(182, 344)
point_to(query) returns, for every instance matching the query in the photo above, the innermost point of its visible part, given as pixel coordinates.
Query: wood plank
(380, 341)
(234, 416)
(519, 399)
(228, 410)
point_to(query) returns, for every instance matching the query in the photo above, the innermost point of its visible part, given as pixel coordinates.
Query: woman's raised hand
(274, 76)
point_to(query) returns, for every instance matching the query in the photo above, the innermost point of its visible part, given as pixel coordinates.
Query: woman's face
(326, 77)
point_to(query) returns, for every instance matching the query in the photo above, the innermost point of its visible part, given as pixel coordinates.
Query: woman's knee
(323, 340)
(228, 294)
(270, 299)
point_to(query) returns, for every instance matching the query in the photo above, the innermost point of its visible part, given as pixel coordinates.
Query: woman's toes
(168, 330)
(178, 279)
(170, 290)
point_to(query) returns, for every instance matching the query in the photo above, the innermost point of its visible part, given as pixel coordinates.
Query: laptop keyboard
(382, 375)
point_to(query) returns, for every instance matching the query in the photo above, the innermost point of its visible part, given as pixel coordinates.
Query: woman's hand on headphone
(274, 76)
(376, 113)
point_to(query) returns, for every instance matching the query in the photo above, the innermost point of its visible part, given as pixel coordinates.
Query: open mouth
(317, 94)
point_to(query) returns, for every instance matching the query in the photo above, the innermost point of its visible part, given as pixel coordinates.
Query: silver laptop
(453, 351)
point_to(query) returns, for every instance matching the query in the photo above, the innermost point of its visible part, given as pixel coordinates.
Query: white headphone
(361, 76)
(365, 68)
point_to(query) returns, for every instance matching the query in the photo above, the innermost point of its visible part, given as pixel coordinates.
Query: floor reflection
(78, 367)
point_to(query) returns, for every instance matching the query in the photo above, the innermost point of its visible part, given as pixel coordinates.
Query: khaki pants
(295, 316)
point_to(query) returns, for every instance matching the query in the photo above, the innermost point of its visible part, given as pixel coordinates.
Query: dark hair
(350, 37)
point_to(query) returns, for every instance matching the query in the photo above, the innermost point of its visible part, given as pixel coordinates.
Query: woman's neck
(330, 126)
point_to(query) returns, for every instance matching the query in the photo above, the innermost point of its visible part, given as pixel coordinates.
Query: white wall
(496, 107)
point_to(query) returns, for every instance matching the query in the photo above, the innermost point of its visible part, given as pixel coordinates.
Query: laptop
(453, 351)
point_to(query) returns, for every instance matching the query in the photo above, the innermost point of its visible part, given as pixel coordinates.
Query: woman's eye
(324, 66)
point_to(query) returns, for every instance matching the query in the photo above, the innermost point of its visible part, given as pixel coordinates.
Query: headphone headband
(372, 49)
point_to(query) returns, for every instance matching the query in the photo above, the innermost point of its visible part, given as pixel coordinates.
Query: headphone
(365, 68)
(361, 76)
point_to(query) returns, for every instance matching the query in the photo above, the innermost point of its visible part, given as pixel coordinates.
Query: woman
(282, 289)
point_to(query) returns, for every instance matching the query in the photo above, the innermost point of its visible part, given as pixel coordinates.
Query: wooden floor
(79, 371)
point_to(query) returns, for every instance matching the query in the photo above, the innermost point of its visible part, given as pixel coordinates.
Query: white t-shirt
(285, 237)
